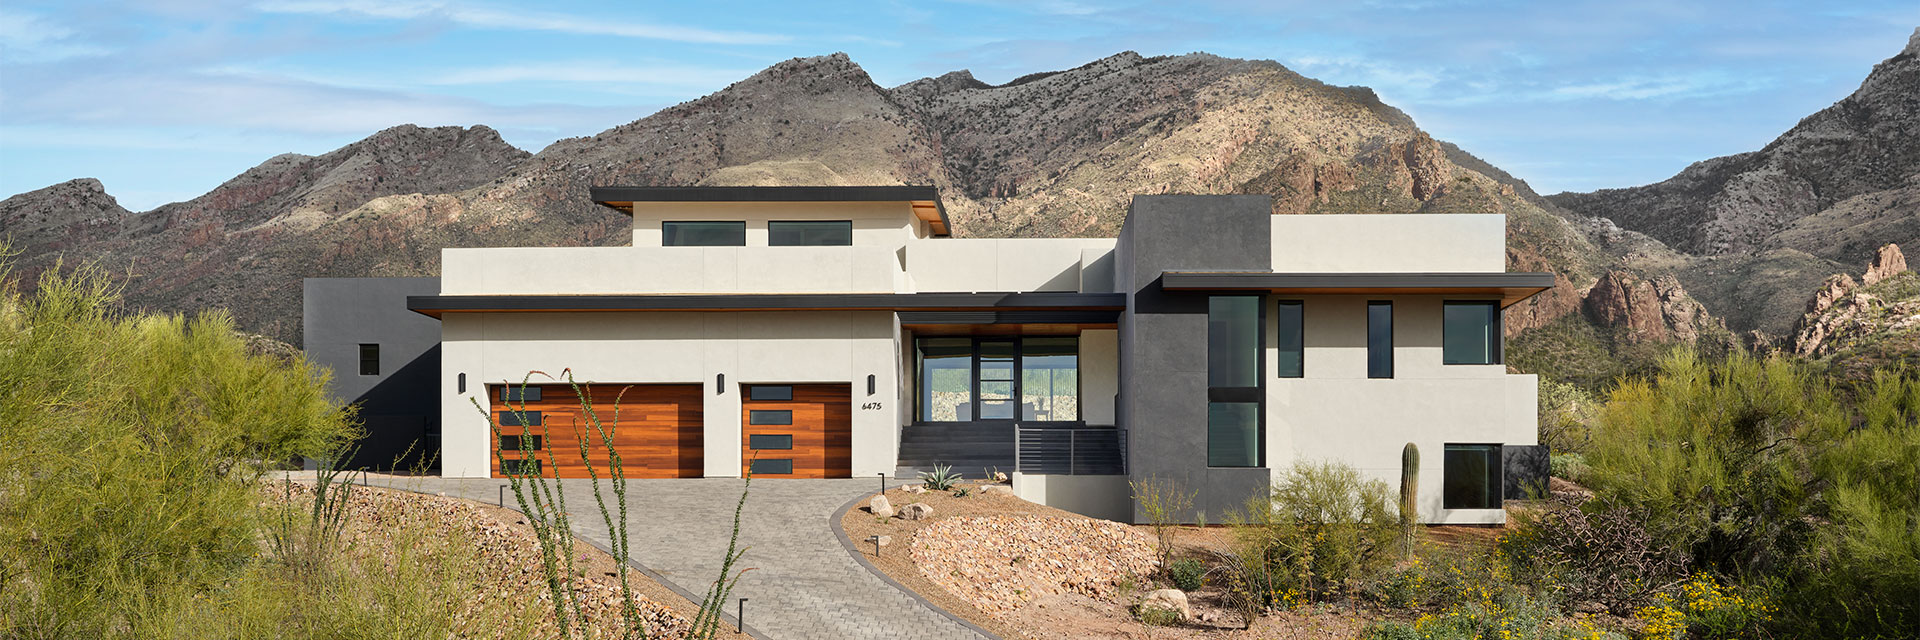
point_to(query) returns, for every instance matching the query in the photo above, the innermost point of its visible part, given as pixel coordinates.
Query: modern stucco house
(841, 332)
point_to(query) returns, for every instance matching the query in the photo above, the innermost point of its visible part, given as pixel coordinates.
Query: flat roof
(1512, 287)
(1029, 301)
(924, 199)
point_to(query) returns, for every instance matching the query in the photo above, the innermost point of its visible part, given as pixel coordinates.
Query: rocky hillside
(1053, 154)
(216, 250)
(1865, 323)
(1759, 229)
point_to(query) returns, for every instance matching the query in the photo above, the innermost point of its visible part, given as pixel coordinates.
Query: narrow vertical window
(1291, 340)
(369, 359)
(1470, 332)
(1234, 383)
(1379, 339)
(1233, 341)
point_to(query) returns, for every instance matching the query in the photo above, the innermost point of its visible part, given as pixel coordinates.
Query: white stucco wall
(875, 224)
(1362, 243)
(1336, 412)
(1000, 264)
(666, 347)
(1099, 375)
(1104, 497)
(669, 270)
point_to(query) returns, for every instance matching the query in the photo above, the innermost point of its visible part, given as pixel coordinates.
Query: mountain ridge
(1055, 153)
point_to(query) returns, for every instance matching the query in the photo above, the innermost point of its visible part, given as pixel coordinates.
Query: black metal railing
(1071, 451)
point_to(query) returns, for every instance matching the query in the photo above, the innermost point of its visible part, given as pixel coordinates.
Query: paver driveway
(803, 583)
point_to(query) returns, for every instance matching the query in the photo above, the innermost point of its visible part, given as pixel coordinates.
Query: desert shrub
(1863, 576)
(1704, 608)
(1565, 416)
(1569, 466)
(1187, 574)
(1319, 534)
(1156, 616)
(130, 446)
(1514, 617)
(1398, 588)
(416, 592)
(1467, 593)
(1161, 501)
(1592, 553)
(1763, 470)
(1717, 456)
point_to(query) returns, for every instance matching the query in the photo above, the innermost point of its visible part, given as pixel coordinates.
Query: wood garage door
(797, 431)
(658, 430)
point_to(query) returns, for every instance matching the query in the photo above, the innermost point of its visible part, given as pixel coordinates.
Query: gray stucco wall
(399, 407)
(1163, 338)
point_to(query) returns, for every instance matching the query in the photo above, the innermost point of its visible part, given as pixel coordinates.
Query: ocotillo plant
(1409, 496)
(546, 507)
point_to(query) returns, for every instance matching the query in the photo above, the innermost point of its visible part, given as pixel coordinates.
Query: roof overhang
(925, 200)
(998, 303)
(1509, 287)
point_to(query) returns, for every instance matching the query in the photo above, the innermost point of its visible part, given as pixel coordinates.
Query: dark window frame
(369, 358)
(1254, 395)
(920, 391)
(1498, 329)
(772, 236)
(512, 393)
(753, 466)
(519, 442)
(753, 443)
(512, 418)
(1375, 353)
(518, 467)
(1280, 346)
(753, 393)
(754, 416)
(667, 238)
(1495, 476)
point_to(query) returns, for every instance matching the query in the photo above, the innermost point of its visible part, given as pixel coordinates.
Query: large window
(1379, 339)
(1471, 332)
(966, 379)
(1472, 474)
(1050, 379)
(1291, 340)
(1233, 381)
(946, 379)
(810, 233)
(703, 234)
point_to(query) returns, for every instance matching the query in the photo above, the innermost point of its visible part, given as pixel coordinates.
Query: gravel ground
(1065, 613)
(507, 554)
(1002, 562)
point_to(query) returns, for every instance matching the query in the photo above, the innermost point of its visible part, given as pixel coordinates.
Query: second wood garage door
(797, 431)
(658, 434)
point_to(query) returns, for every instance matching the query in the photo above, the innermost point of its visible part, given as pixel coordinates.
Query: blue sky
(164, 99)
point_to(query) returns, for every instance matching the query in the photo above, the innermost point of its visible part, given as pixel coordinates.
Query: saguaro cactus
(1409, 496)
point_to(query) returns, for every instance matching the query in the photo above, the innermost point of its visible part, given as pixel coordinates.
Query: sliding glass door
(998, 379)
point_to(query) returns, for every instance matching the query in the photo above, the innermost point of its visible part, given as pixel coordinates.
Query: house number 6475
(870, 406)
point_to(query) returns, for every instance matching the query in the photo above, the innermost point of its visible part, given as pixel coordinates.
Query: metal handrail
(1073, 444)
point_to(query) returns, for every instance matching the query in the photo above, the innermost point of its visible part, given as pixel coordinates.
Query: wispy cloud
(25, 37)
(504, 19)
(263, 103)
